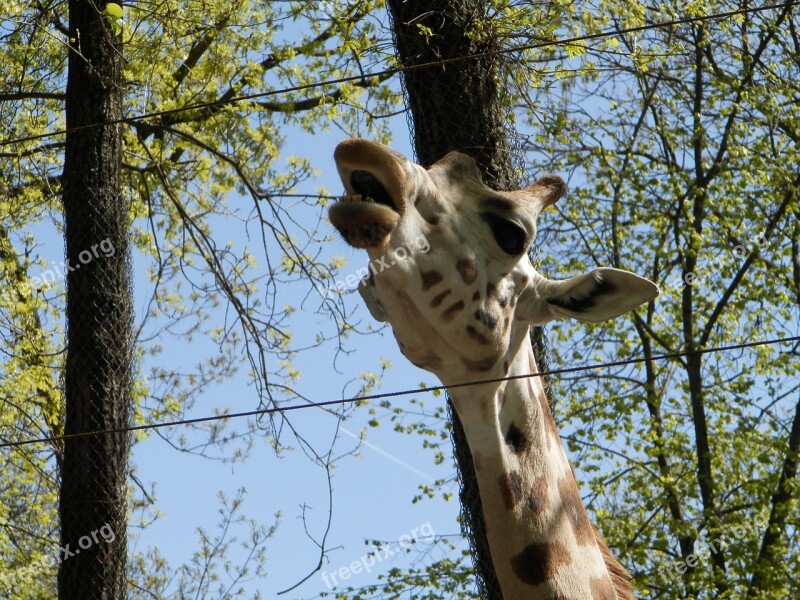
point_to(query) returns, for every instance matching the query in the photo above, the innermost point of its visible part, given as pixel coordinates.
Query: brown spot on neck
(537, 500)
(511, 489)
(572, 505)
(477, 457)
(482, 365)
(438, 299)
(431, 362)
(516, 439)
(476, 335)
(467, 269)
(538, 563)
(547, 414)
(452, 310)
(430, 279)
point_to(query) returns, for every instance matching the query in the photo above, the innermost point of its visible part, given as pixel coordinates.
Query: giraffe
(462, 310)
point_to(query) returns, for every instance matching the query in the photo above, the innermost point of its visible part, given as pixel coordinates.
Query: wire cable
(294, 407)
(404, 69)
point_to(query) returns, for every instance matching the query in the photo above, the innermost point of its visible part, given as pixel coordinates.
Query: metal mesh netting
(99, 317)
(457, 106)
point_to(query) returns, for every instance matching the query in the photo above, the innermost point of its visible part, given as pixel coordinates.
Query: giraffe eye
(510, 236)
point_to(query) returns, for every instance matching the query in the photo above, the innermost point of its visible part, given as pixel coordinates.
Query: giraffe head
(449, 267)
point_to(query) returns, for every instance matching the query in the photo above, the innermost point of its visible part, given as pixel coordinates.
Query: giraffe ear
(597, 296)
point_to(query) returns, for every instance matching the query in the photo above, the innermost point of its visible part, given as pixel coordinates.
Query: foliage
(682, 145)
(205, 167)
(210, 573)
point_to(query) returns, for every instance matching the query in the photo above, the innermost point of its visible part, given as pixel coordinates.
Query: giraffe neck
(542, 543)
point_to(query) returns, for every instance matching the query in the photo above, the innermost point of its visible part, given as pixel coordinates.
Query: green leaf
(114, 10)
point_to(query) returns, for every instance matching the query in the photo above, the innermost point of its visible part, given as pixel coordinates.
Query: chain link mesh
(99, 317)
(458, 107)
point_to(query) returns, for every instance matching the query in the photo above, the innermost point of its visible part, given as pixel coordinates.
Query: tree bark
(456, 106)
(97, 381)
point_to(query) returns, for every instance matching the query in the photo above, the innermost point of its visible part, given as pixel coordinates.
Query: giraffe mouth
(371, 189)
(367, 218)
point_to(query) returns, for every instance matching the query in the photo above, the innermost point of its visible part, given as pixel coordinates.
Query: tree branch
(21, 95)
(781, 499)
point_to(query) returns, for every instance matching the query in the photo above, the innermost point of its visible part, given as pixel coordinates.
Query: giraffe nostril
(488, 320)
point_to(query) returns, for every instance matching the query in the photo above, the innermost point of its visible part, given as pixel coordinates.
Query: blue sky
(372, 492)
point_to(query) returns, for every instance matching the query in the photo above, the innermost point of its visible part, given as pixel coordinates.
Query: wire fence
(407, 392)
(384, 73)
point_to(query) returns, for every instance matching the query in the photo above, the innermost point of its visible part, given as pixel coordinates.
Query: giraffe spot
(511, 489)
(430, 279)
(485, 318)
(467, 269)
(432, 220)
(451, 310)
(490, 289)
(476, 460)
(438, 299)
(550, 423)
(538, 501)
(476, 296)
(572, 505)
(484, 364)
(538, 563)
(602, 588)
(524, 280)
(428, 363)
(477, 335)
(503, 302)
(516, 439)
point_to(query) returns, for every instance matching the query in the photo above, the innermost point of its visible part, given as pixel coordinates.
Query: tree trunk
(456, 106)
(93, 501)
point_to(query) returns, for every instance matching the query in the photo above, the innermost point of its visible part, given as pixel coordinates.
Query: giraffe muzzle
(367, 218)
